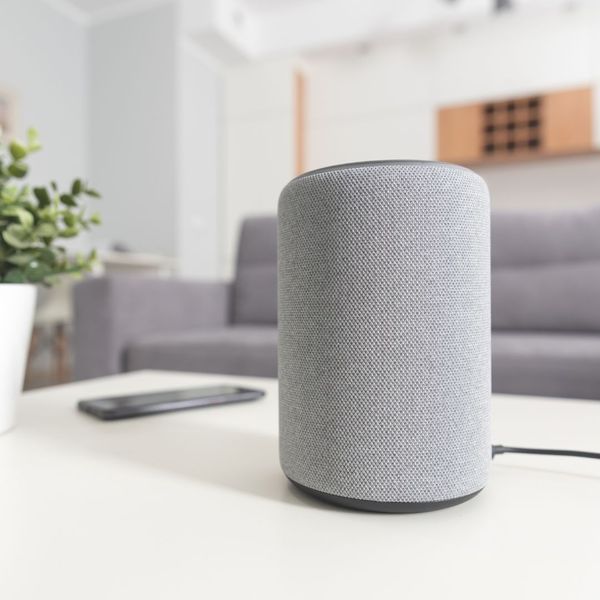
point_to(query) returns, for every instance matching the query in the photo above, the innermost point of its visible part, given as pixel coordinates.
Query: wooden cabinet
(459, 133)
(538, 126)
(567, 118)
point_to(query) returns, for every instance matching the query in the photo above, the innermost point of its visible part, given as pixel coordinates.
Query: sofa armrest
(112, 312)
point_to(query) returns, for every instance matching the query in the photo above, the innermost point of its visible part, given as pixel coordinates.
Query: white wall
(43, 60)
(155, 137)
(551, 184)
(383, 103)
(258, 157)
(371, 105)
(133, 70)
(200, 131)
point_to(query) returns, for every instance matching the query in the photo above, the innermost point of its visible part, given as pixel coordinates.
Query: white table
(194, 505)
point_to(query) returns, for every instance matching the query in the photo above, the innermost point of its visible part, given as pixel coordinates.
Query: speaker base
(383, 507)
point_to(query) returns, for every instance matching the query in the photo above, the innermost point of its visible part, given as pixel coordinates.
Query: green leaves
(18, 169)
(23, 215)
(33, 221)
(69, 232)
(46, 230)
(69, 218)
(36, 272)
(15, 276)
(68, 200)
(21, 260)
(79, 187)
(17, 236)
(42, 196)
(17, 150)
(33, 141)
(9, 194)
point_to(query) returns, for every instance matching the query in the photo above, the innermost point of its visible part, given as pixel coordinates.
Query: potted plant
(33, 221)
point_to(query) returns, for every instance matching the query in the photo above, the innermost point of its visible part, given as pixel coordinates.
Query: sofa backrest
(255, 286)
(546, 270)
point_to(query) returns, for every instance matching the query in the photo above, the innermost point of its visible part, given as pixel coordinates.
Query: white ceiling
(256, 6)
(255, 29)
(290, 27)
(262, 6)
(92, 6)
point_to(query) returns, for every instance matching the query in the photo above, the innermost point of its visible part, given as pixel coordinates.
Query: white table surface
(194, 505)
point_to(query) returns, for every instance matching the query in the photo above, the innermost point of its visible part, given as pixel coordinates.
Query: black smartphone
(125, 407)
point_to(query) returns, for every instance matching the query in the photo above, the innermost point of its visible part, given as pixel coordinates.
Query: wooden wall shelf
(511, 130)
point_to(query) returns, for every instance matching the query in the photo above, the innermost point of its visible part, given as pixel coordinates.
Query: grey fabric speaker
(384, 334)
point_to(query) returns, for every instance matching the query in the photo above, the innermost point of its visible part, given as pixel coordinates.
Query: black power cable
(499, 449)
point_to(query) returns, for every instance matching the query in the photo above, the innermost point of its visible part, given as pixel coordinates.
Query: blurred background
(190, 116)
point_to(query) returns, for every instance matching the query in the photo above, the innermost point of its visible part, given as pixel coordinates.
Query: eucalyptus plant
(33, 221)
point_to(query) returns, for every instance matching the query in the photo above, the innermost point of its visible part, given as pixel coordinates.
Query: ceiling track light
(498, 5)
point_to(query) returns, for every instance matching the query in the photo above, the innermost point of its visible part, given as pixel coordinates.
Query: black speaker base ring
(383, 507)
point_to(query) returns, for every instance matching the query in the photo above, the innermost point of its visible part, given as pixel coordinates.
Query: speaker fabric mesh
(384, 331)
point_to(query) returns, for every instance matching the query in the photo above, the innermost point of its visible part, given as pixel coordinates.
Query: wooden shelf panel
(511, 130)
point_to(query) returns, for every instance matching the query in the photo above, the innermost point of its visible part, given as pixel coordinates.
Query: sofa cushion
(255, 288)
(552, 297)
(234, 350)
(546, 364)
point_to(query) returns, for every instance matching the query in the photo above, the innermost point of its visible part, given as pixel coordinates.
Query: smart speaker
(384, 334)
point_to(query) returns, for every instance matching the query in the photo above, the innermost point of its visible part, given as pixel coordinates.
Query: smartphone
(125, 407)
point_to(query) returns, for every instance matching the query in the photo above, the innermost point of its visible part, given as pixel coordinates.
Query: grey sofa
(130, 323)
(546, 303)
(545, 311)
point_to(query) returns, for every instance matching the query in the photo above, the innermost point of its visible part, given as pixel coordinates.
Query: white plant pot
(17, 307)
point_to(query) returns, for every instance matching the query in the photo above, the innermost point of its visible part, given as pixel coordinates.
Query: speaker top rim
(378, 163)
